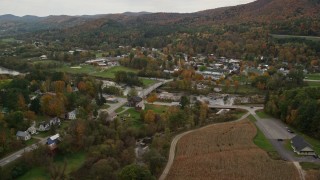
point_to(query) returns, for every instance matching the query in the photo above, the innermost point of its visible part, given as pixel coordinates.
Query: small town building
(32, 130)
(72, 115)
(43, 57)
(301, 147)
(23, 135)
(53, 141)
(133, 101)
(140, 106)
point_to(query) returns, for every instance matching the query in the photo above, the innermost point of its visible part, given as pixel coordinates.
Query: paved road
(143, 93)
(19, 153)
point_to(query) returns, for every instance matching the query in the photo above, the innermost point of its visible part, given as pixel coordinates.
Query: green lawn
(86, 69)
(38, 173)
(252, 118)
(242, 89)
(309, 166)
(314, 84)
(4, 82)
(110, 73)
(156, 108)
(96, 71)
(120, 109)
(31, 141)
(134, 118)
(7, 40)
(74, 161)
(312, 38)
(262, 114)
(148, 82)
(262, 142)
(105, 106)
(315, 76)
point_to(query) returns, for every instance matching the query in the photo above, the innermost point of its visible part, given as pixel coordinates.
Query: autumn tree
(149, 117)
(152, 97)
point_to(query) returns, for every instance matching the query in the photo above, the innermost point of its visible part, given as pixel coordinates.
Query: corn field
(227, 152)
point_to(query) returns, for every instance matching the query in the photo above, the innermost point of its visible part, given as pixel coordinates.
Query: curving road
(178, 137)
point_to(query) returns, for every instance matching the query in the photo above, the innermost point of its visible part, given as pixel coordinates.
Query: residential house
(53, 141)
(32, 130)
(55, 121)
(140, 106)
(43, 57)
(133, 101)
(46, 125)
(43, 126)
(23, 135)
(301, 147)
(72, 115)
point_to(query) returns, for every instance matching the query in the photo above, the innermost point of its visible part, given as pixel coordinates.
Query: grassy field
(38, 173)
(4, 82)
(148, 82)
(312, 38)
(110, 73)
(226, 151)
(242, 89)
(134, 118)
(74, 161)
(122, 108)
(313, 84)
(32, 141)
(262, 114)
(315, 76)
(156, 108)
(308, 166)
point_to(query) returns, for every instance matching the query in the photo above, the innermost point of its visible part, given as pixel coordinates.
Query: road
(19, 153)
(122, 101)
(112, 108)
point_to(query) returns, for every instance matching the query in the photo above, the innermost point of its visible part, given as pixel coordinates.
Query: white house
(32, 130)
(23, 135)
(43, 57)
(72, 115)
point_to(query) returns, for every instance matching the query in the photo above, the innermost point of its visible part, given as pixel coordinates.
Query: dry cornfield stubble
(226, 152)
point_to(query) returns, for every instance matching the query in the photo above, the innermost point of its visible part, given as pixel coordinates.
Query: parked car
(280, 139)
(290, 131)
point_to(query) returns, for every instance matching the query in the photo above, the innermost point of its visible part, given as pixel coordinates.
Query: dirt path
(178, 137)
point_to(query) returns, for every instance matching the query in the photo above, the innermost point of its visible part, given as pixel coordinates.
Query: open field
(102, 73)
(313, 83)
(315, 76)
(74, 161)
(311, 38)
(156, 108)
(226, 151)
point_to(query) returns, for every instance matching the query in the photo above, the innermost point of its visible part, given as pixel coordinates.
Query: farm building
(301, 147)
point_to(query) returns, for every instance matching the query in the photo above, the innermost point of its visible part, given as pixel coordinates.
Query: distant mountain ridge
(260, 11)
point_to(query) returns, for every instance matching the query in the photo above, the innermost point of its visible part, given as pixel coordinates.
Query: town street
(19, 153)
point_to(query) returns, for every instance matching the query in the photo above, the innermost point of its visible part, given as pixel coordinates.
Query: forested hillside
(298, 107)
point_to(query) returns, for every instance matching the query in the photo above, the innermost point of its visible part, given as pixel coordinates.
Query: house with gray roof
(23, 135)
(301, 147)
